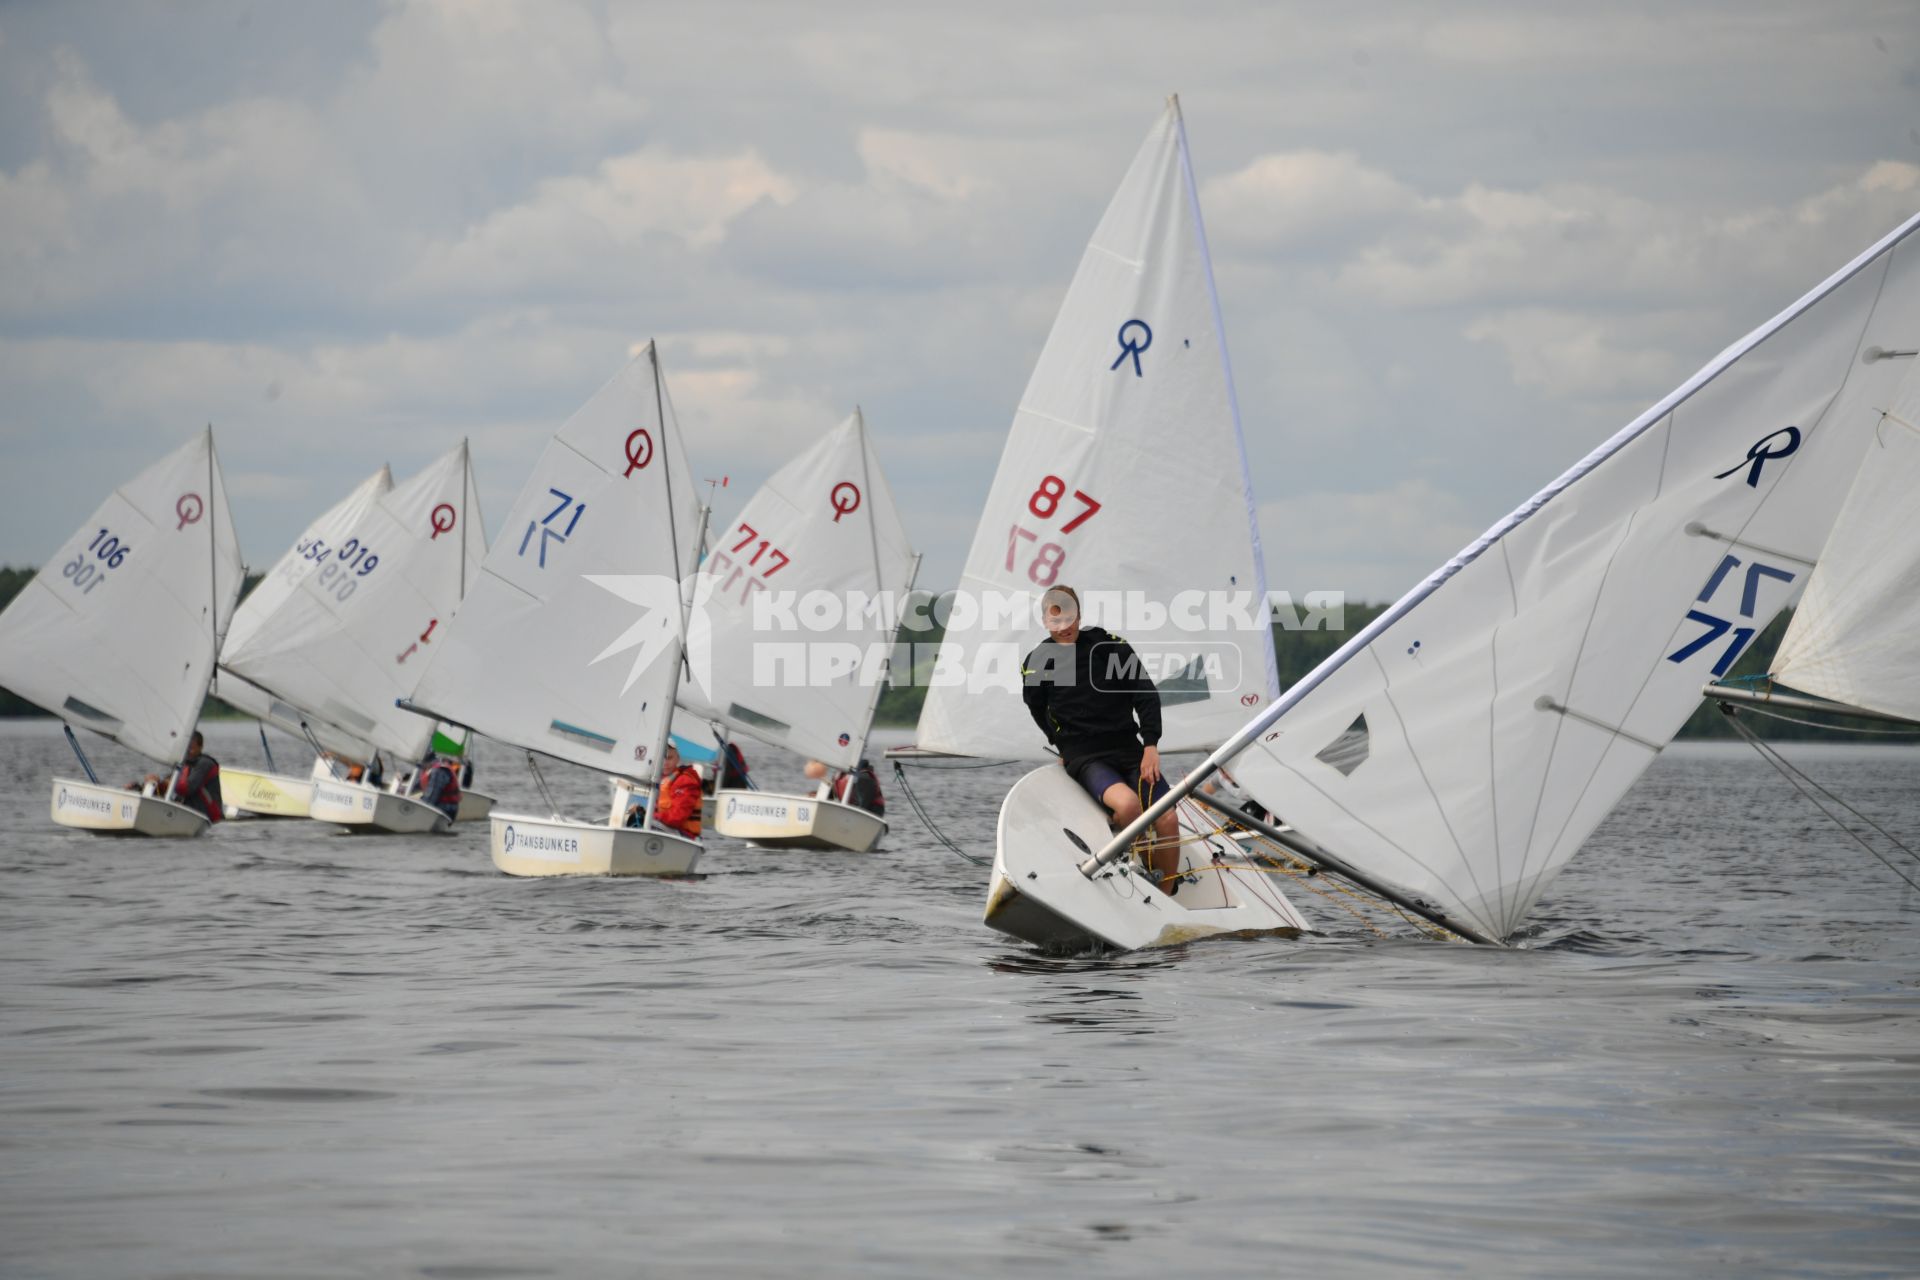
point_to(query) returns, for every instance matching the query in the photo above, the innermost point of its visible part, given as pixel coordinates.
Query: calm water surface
(282, 1051)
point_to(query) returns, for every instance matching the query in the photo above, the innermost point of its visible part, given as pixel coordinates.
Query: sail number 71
(1717, 626)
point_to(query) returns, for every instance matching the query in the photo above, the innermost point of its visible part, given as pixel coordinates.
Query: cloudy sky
(1456, 244)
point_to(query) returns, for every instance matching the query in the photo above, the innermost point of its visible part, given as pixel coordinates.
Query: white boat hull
(523, 845)
(475, 806)
(795, 822)
(1049, 825)
(265, 795)
(111, 811)
(363, 809)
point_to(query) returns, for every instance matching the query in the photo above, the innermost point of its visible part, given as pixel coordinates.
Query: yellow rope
(1283, 862)
(1280, 862)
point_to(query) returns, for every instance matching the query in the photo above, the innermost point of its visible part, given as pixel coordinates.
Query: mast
(673, 685)
(880, 686)
(1272, 689)
(879, 581)
(466, 506)
(652, 822)
(213, 590)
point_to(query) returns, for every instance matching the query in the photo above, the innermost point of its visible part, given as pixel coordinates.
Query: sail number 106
(108, 553)
(1045, 503)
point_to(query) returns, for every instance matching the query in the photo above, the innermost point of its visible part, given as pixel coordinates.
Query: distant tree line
(1297, 652)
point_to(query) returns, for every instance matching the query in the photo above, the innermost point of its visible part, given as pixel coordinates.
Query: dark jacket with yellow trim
(1087, 698)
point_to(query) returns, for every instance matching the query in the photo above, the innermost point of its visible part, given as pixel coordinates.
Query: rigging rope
(540, 779)
(926, 820)
(1794, 777)
(1837, 728)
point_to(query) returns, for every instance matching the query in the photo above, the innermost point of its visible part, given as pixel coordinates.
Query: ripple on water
(280, 1052)
(290, 1093)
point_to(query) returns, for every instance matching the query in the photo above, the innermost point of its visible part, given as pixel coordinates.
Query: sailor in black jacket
(1086, 689)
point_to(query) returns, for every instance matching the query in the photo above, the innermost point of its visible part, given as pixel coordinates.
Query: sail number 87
(1044, 569)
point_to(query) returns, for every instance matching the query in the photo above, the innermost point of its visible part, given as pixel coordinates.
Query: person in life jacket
(861, 789)
(197, 785)
(1089, 693)
(439, 785)
(733, 768)
(680, 797)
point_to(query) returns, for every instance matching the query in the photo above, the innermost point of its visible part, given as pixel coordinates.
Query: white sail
(1465, 744)
(352, 635)
(117, 632)
(823, 528)
(1855, 637)
(568, 640)
(1124, 472)
(319, 542)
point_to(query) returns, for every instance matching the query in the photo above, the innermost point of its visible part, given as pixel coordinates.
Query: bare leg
(1166, 848)
(1122, 803)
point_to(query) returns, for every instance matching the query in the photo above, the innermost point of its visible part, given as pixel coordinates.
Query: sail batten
(1605, 609)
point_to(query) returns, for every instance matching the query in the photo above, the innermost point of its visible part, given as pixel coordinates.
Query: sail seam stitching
(1866, 322)
(1573, 674)
(1413, 753)
(1387, 840)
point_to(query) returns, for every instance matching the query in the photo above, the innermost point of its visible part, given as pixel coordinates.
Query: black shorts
(1099, 773)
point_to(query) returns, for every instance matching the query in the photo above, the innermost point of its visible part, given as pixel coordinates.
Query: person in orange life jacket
(860, 789)
(680, 797)
(439, 785)
(1085, 687)
(197, 785)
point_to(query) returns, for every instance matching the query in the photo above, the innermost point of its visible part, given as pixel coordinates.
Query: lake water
(282, 1051)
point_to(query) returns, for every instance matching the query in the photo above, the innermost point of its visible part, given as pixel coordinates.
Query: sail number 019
(1044, 503)
(340, 570)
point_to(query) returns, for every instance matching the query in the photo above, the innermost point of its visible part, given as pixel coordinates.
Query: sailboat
(824, 528)
(117, 633)
(271, 793)
(1129, 408)
(1852, 647)
(1458, 751)
(348, 638)
(572, 641)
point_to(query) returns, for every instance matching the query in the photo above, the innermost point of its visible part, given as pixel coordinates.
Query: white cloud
(594, 231)
(1583, 355)
(1593, 244)
(1299, 199)
(1374, 545)
(1453, 248)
